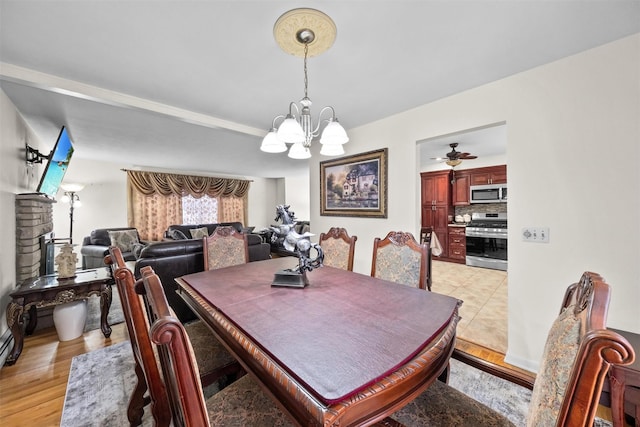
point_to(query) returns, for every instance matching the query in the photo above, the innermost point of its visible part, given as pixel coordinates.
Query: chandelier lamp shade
(305, 32)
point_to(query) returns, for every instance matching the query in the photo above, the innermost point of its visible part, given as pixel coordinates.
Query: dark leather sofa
(175, 258)
(96, 246)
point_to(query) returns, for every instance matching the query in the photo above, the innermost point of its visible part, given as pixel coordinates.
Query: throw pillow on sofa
(176, 234)
(124, 239)
(199, 233)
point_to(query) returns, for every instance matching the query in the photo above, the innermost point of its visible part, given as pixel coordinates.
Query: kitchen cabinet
(436, 204)
(460, 188)
(457, 244)
(465, 178)
(488, 175)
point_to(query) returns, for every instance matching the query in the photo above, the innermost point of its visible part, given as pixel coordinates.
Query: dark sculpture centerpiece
(298, 243)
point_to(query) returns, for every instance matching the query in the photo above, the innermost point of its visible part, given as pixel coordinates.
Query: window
(199, 211)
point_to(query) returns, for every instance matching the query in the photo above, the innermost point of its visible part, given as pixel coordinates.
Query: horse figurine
(283, 214)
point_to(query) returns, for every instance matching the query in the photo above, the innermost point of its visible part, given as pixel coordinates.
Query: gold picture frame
(355, 185)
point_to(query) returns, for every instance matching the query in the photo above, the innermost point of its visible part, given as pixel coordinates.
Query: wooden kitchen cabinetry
(488, 175)
(465, 178)
(436, 204)
(457, 244)
(460, 188)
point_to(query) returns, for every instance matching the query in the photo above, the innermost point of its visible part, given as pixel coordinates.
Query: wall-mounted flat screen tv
(57, 165)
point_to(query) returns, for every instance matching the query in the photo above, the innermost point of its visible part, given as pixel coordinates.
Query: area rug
(101, 381)
(93, 311)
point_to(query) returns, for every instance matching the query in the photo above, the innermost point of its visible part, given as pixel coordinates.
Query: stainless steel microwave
(492, 193)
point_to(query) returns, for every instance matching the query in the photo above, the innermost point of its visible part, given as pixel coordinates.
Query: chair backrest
(180, 369)
(225, 247)
(425, 239)
(136, 317)
(338, 248)
(576, 358)
(399, 258)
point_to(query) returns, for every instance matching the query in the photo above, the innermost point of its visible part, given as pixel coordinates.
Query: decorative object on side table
(66, 261)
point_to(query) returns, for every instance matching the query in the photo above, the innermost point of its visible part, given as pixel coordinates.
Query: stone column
(34, 219)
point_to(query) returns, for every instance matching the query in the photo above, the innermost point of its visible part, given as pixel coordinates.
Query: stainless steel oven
(487, 241)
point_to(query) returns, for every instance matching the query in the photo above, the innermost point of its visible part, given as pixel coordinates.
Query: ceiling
(194, 85)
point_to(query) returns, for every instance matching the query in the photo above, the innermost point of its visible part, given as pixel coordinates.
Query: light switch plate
(535, 234)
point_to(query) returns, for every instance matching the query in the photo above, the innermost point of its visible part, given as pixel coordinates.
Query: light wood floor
(32, 391)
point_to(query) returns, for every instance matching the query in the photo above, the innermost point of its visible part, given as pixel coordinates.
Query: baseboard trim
(6, 344)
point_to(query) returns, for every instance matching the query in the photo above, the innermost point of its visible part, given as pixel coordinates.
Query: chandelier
(305, 32)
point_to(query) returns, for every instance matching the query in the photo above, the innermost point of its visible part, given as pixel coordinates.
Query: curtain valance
(149, 183)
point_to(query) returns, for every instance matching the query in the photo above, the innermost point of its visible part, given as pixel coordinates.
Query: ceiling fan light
(272, 144)
(334, 133)
(299, 151)
(454, 162)
(332, 150)
(290, 130)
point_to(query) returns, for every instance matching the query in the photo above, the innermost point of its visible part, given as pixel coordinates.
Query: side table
(46, 291)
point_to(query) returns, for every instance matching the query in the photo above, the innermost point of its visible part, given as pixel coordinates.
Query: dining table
(348, 349)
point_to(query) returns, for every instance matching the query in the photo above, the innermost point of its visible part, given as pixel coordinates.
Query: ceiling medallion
(294, 28)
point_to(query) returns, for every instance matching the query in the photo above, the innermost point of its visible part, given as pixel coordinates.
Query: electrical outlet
(535, 234)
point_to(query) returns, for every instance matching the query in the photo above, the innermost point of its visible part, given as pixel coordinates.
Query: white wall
(573, 143)
(15, 177)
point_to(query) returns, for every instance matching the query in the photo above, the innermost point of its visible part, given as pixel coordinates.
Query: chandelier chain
(306, 79)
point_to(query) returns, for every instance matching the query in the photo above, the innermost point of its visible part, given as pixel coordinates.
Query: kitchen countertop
(457, 224)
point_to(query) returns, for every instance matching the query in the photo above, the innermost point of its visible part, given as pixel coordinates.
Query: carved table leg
(33, 320)
(15, 323)
(105, 304)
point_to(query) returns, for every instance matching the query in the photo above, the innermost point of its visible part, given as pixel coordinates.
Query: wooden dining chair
(214, 360)
(399, 258)
(426, 234)
(225, 247)
(566, 392)
(242, 403)
(338, 248)
(147, 375)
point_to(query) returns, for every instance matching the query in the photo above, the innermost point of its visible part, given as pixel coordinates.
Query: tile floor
(484, 292)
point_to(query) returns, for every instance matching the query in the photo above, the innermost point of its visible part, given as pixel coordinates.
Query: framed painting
(355, 185)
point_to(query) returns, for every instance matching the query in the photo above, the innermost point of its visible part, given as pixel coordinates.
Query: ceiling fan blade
(468, 156)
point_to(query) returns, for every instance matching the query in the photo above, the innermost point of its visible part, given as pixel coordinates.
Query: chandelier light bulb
(334, 133)
(299, 151)
(290, 131)
(65, 199)
(272, 144)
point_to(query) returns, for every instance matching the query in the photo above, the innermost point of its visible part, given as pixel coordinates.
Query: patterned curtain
(232, 209)
(154, 213)
(155, 199)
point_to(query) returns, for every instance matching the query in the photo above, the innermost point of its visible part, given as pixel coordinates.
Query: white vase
(69, 319)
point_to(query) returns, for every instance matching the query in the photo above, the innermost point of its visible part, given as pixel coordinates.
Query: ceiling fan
(454, 158)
